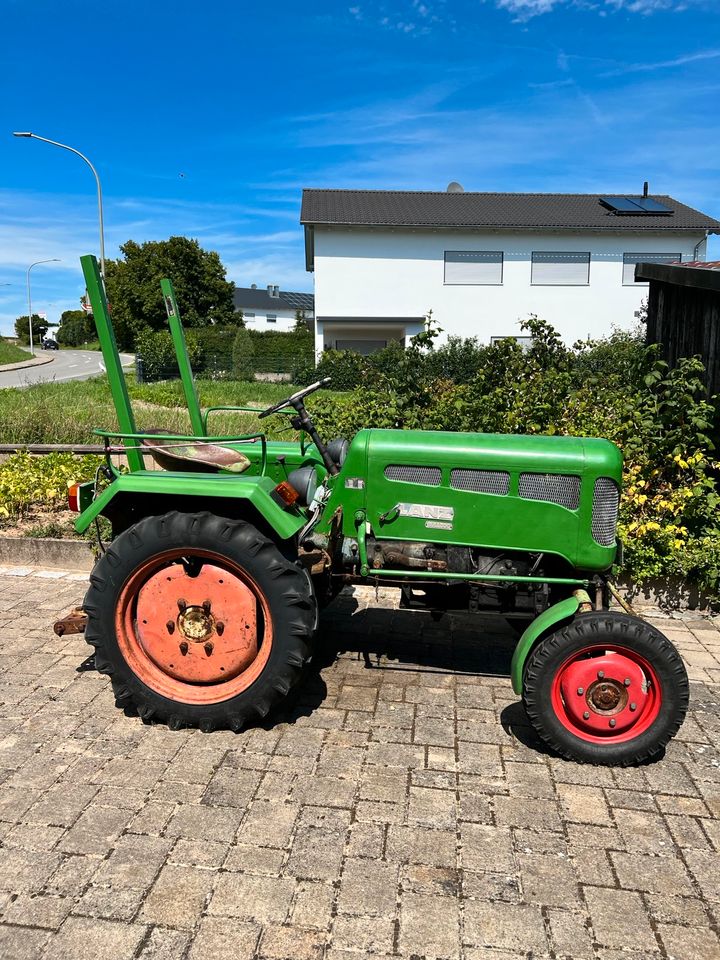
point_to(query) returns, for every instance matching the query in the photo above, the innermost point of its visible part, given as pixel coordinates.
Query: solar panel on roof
(638, 206)
(619, 204)
(652, 206)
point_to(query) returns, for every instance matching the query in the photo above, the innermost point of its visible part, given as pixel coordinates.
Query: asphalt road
(65, 365)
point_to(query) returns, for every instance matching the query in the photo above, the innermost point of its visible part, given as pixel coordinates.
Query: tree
(22, 328)
(76, 328)
(204, 295)
(302, 323)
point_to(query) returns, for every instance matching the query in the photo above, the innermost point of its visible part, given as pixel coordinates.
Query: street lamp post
(82, 156)
(51, 260)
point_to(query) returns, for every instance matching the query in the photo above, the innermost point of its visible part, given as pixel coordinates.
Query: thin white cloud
(527, 9)
(663, 64)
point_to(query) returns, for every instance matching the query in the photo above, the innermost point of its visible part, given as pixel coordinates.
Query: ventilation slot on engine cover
(481, 481)
(552, 488)
(606, 499)
(430, 476)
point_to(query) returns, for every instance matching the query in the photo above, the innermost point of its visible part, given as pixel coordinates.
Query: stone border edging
(75, 555)
(35, 362)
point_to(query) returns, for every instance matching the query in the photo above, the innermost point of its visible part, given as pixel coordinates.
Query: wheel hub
(195, 624)
(604, 696)
(197, 629)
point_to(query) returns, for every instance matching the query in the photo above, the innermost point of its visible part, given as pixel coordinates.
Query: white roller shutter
(474, 266)
(630, 259)
(563, 269)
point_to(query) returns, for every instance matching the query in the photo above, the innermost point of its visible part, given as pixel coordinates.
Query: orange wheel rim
(194, 628)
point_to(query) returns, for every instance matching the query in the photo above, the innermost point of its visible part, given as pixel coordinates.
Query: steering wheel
(291, 401)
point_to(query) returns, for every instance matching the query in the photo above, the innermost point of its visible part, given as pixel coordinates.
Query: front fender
(213, 489)
(548, 619)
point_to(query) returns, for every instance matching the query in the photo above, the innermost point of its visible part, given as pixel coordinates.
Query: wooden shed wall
(686, 322)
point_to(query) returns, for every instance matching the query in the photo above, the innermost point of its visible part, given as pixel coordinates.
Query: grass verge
(9, 353)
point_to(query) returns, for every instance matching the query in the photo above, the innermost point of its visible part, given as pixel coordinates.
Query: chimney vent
(646, 187)
(454, 187)
(253, 286)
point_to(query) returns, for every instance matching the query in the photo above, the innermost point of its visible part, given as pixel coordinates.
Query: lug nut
(170, 626)
(586, 715)
(626, 681)
(208, 648)
(601, 674)
(181, 604)
(220, 627)
(206, 605)
(183, 648)
(633, 706)
(613, 722)
(581, 691)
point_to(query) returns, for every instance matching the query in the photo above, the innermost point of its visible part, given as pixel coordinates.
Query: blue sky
(207, 119)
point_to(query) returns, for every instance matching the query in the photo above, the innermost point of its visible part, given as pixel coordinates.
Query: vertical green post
(115, 374)
(186, 376)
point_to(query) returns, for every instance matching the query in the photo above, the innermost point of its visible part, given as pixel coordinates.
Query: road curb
(74, 555)
(37, 362)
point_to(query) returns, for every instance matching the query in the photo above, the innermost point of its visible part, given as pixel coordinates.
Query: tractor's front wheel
(606, 689)
(199, 620)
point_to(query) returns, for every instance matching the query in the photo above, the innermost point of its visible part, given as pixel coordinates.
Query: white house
(482, 262)
(271, 308)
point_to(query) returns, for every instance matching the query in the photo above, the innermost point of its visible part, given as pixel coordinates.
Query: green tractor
(203, 608)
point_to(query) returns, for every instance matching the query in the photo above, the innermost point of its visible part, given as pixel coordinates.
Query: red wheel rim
(606, 694)
(194, 628)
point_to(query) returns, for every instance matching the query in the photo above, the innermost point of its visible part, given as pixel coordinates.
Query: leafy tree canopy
(204, 294)
(22, 328)
(76, 328)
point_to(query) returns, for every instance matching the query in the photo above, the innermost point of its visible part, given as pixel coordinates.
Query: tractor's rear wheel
(606, 689)
(199, 620)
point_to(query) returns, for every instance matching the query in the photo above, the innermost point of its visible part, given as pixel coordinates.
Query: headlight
(305, 481)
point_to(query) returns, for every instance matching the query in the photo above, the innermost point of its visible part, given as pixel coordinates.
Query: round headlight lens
(305, 481)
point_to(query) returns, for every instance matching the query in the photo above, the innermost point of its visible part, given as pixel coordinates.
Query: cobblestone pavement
(399, 811)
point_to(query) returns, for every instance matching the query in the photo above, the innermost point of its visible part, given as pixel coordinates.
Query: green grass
(68, 412)
(9, 353)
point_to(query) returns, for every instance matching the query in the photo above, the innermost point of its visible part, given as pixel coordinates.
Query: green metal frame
(111, 357)
(183, 358)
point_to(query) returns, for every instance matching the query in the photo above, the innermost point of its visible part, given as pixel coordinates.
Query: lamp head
(22, 134)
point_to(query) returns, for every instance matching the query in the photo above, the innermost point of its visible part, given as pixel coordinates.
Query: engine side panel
(532, 493)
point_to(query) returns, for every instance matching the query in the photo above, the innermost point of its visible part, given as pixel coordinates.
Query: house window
(560, 268)
(248, 316)
(474, 266)
(271, 318)
(630, 259)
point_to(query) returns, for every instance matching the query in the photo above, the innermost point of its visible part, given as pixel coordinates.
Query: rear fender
(546, 623)
(216, 492)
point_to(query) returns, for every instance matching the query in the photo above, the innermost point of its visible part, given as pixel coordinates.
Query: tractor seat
(195, 457)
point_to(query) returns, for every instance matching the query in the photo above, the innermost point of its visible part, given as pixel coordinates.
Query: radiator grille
(430, 476)
(606, 498)
(481, 481)
(552, 488)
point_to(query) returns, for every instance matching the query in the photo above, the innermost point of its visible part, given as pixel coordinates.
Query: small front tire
(606, 689)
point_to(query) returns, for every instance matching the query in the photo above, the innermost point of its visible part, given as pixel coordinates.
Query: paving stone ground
(398, 809)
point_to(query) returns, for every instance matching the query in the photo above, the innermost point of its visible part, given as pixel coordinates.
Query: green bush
(243, 356)
(27, 481)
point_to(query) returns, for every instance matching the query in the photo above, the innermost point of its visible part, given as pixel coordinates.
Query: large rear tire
(606, 689)
(199, 620)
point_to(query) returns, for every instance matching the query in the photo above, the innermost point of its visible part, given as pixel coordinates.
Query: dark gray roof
(252, 298)
(511, 211)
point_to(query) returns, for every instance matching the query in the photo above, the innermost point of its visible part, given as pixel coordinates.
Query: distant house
(484, 261)
(272, 308)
